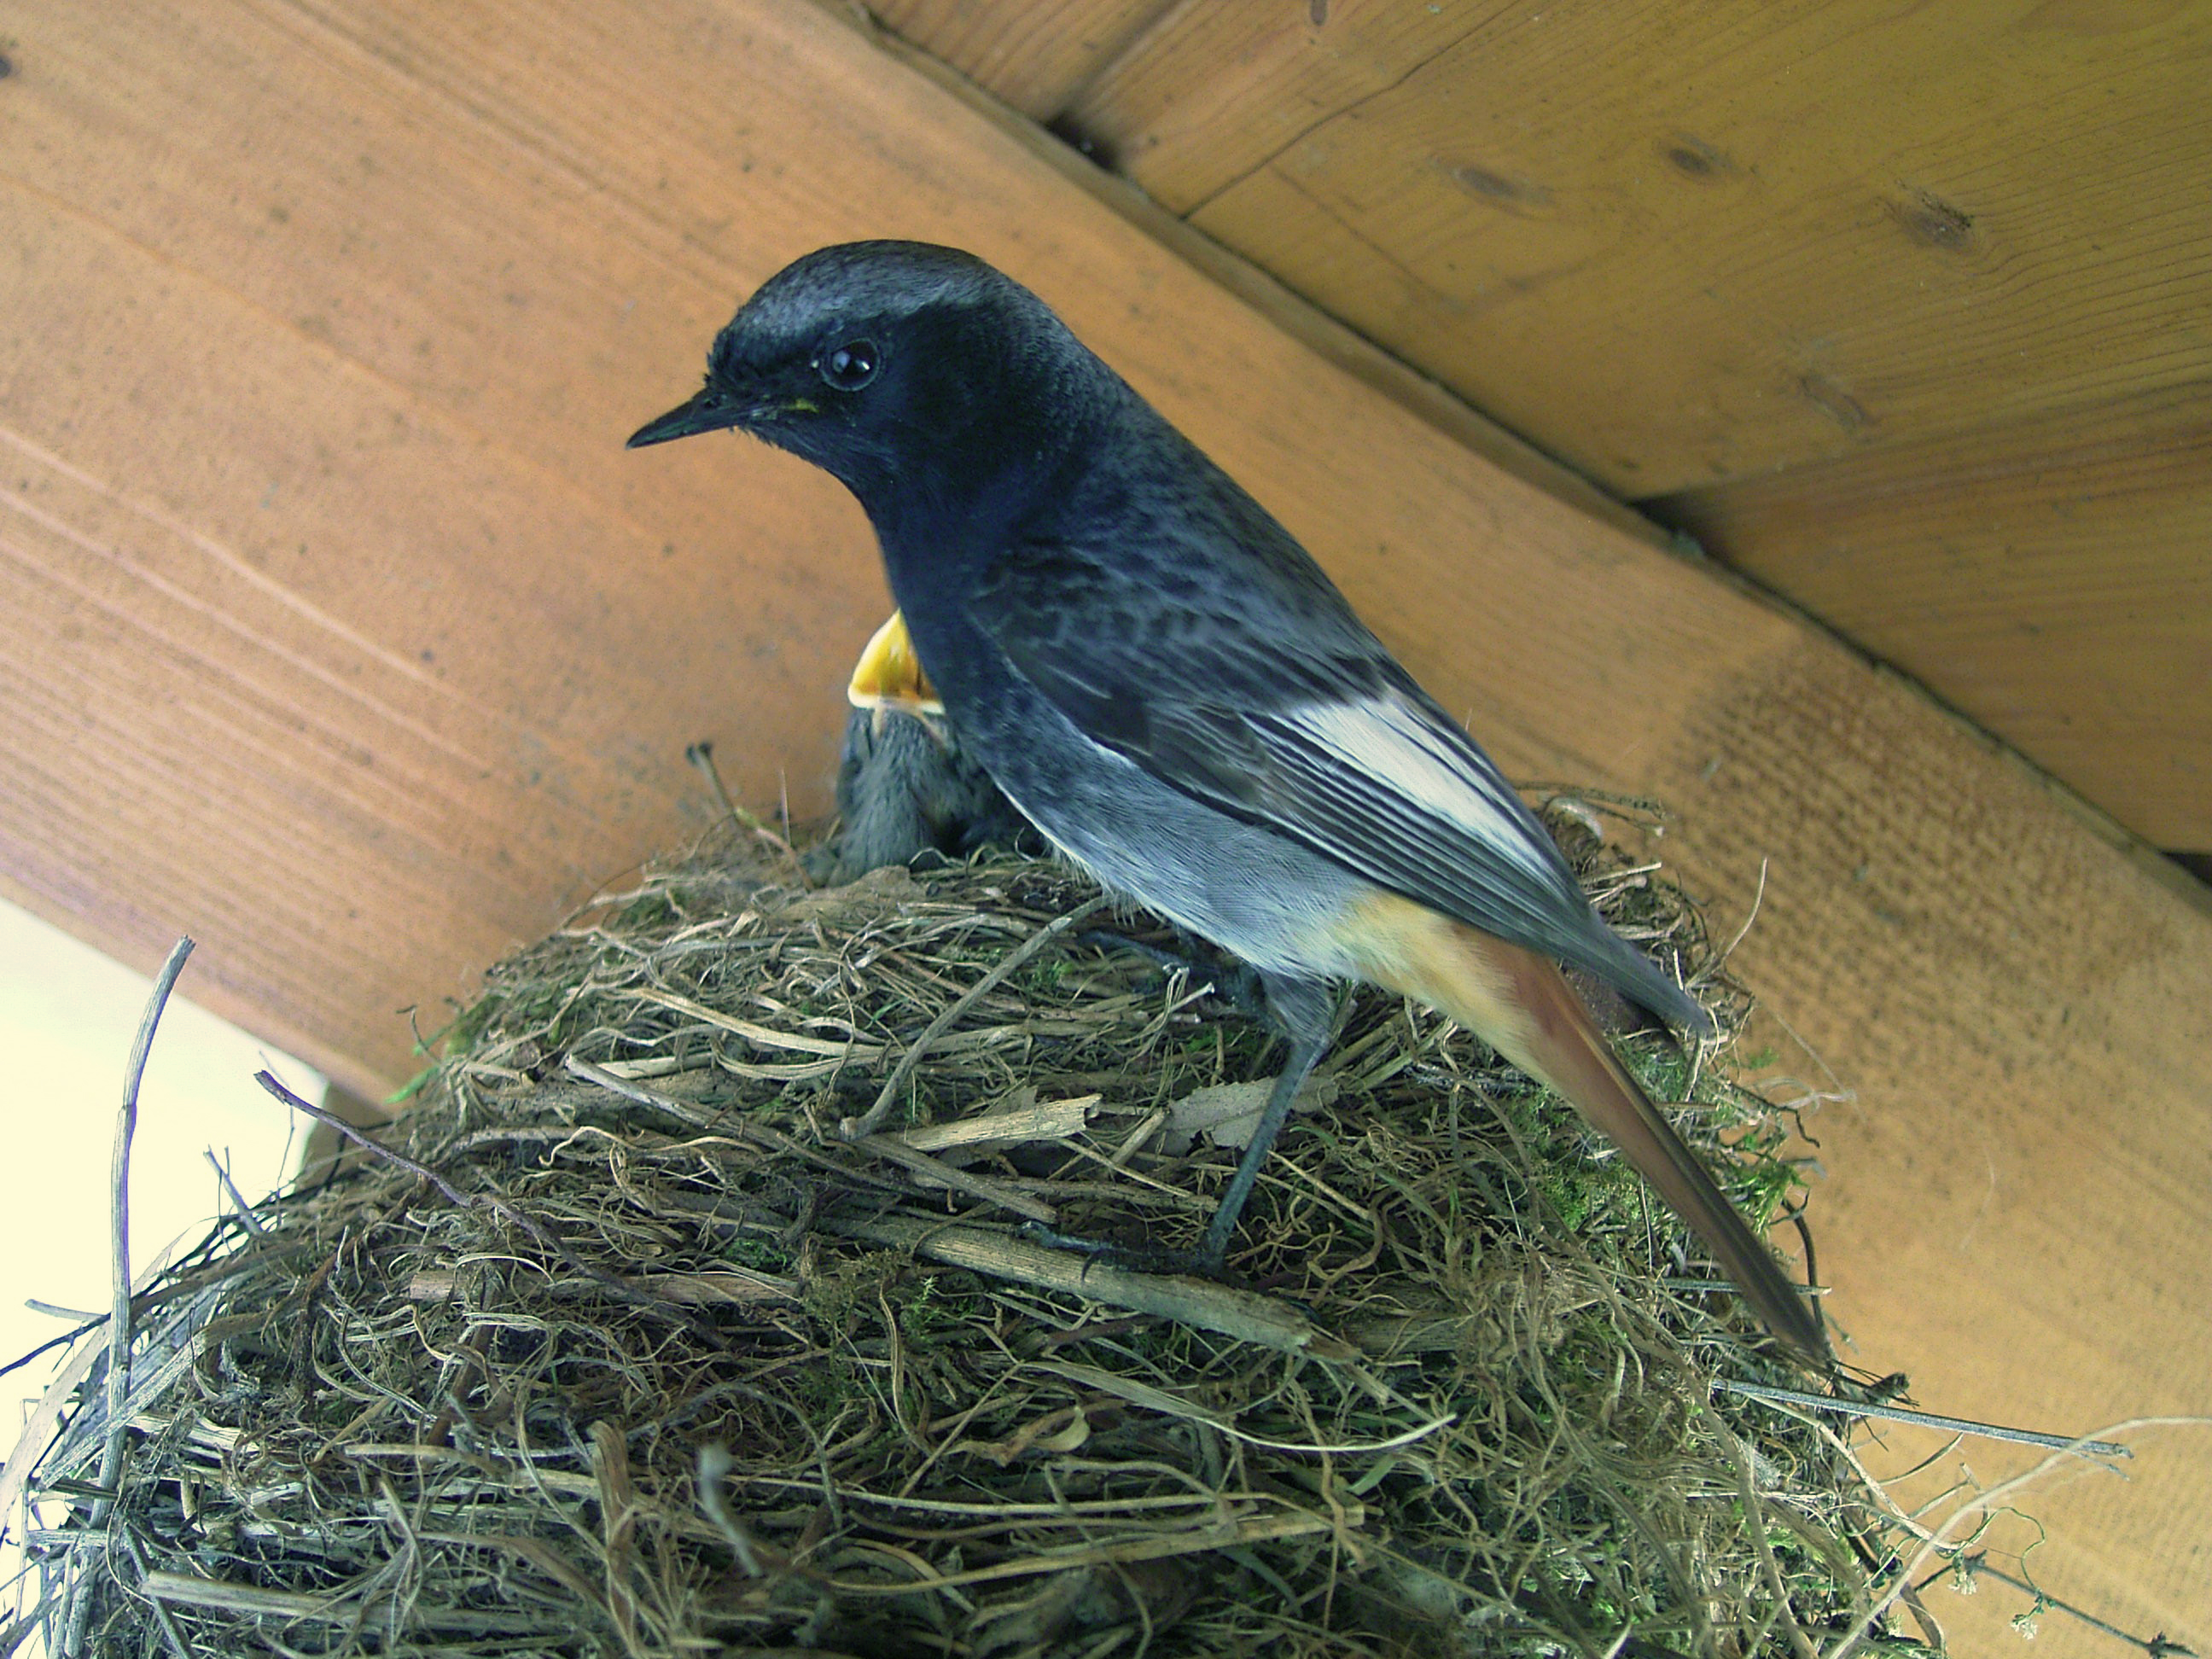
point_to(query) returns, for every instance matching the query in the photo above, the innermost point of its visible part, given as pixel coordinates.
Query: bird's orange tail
(1522, 1006)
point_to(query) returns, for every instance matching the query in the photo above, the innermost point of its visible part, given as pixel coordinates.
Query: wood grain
(1208, 94)
(1035, 57)
(338, 611)
(2048, 577)
(1676, 243)
(326, 319)
(1681, 247)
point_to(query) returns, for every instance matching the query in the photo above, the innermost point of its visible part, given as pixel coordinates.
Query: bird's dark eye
(850, 366)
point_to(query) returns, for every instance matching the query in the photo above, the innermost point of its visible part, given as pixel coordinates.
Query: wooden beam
(1035, 56)
(326, 320)
(343, 630)
(1680, 247)
(2047, 576)
(1263, 292)
(1676, 243)
(1207, 95)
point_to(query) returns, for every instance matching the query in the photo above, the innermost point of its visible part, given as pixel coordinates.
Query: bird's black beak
(710, 412)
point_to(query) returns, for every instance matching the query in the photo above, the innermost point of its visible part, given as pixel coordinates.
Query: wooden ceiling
(338, 628)
(1905, 311)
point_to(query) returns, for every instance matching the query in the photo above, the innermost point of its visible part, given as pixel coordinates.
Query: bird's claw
(1232, 981)
(1130, 1258)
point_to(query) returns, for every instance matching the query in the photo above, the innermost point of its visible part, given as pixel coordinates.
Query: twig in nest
(250, 1221)
(762, 1037)
(1941, 1541)
(1976, 1565)
(1706, 973)
(169, 1632)
(858, 1128)
(1174, 1404)
(681, 1110)
(714, 1465)
(883, 1146)
(454, 1195)
(52, 1342)
(1241, 1314)
(1046, 1120)
(701, 755)
(119, 1326)
(1822, 1402)
(1747, 1492)
(890, 1147)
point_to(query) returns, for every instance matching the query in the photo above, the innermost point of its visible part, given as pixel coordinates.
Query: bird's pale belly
(1279, 907)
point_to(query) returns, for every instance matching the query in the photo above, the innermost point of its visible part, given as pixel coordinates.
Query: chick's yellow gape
(888, 675)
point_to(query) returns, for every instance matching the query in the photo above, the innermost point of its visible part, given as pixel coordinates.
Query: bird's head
(903, 368)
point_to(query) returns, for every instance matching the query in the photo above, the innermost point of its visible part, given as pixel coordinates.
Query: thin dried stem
(1822, 1402)
(118, 1320)
(858, 1128)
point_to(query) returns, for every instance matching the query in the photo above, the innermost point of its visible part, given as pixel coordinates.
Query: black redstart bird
(1166, 685)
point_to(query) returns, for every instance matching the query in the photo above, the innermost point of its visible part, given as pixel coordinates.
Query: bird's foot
(1232, 981)
(1131, 1258)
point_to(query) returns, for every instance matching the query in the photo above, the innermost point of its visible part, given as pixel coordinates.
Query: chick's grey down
(1148, 666)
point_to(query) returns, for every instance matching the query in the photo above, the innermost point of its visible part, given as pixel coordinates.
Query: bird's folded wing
(1272, 702)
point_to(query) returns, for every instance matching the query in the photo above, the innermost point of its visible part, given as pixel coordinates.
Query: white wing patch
(1394, 744)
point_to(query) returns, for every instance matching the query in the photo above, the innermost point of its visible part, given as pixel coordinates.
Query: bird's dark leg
(1232, 981)
(1304, 1010)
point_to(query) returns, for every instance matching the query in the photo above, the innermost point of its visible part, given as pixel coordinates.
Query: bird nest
(622, 1347)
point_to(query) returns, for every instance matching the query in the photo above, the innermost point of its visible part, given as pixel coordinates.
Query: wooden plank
(314, 437)
(1209, 95)
(1341, 347)
(1676, 243)
(504, 229)
(2048, 577)
(1681, 247)
(1035, 57)
(1199, 104)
